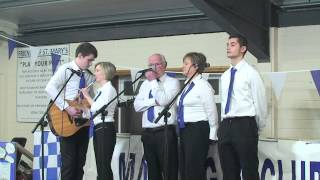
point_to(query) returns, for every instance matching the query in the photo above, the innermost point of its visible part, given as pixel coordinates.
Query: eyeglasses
(155, 64)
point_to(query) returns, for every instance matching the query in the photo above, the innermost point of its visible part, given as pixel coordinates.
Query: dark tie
(82, 84)
(150, 109)
(227, 108)
(91, 128)
(97, 96)
(181, 107)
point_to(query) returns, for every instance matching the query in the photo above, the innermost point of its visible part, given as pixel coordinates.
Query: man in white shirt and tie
(156, 92)
(73, 148)
(244, 113)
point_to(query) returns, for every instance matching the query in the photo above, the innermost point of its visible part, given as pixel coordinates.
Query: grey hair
(163, 59)
(108, 68)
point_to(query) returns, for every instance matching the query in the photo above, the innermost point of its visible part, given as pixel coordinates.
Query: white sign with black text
(32, 77)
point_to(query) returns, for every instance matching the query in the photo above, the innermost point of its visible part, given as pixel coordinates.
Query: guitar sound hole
(80, 121)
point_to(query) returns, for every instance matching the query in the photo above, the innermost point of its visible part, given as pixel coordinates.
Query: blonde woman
(104, 136)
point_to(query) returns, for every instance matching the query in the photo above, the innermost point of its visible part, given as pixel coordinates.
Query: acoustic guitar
(61, 124)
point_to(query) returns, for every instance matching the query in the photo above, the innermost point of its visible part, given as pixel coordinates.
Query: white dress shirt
(163, 92)
(248, 96)
(71, 90)
(104, 94)
(199, 105)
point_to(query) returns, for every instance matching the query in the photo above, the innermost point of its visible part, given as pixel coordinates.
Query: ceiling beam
(8, 4)
(8, 28)
(144, 29)
(251, 18)
(297, 13)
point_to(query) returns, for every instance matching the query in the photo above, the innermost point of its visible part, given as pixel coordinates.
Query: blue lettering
(293, 169)
(125, 171)
(314, 167)
(210, 164)
(267, 165)
(280, 169)
(303, 170)
(143, 169)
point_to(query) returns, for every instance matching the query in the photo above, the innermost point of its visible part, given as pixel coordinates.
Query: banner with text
(32, 77)
(283, 159)
(289, 159)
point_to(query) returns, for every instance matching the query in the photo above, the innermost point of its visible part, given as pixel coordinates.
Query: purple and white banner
(282, 159)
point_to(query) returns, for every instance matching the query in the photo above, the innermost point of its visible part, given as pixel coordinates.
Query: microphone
(76, 72)
(153, 68)
(205, 65)
(145, 70)
(91, 84)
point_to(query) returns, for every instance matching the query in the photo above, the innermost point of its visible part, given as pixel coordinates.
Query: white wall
(134, 52)
(9, 128)
(299, 106)
(296, 115)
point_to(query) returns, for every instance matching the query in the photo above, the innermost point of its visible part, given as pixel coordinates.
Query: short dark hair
(197, 59)
(86, 49)
(241, 39)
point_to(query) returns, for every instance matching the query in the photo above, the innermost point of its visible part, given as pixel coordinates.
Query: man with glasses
(156, 92)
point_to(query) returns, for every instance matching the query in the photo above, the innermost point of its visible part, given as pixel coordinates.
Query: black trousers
(153, 144)
(238, 148)
(194, 146)
(73, 154)
(104, 141)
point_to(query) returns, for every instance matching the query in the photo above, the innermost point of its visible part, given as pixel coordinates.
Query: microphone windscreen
(154, 67)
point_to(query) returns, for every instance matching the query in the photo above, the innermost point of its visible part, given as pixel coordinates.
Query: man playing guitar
(73, 148)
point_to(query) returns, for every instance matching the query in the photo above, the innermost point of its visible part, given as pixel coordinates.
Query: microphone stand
(165, 112)
(103, 111)
(103, 108)
(42, 123)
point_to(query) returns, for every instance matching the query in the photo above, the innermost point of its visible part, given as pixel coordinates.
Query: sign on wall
(32, 77)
